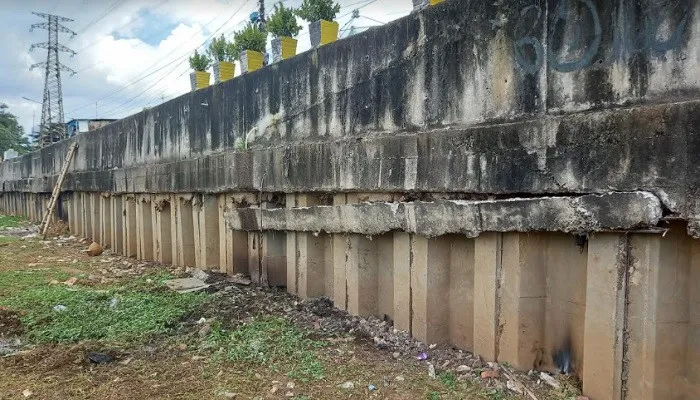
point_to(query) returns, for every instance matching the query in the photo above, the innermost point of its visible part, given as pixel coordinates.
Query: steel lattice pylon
(53, 126)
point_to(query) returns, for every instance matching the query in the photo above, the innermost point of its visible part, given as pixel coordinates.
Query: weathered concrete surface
(579, 214)
(469, 97)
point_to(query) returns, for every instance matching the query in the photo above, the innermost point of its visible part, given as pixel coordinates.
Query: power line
(116, 4)
(144, 71)
(125, 25)
(203, 43)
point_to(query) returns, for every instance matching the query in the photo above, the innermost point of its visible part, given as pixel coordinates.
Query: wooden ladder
(46, 221)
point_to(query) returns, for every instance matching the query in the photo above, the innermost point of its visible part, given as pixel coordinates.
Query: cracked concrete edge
(574, 214)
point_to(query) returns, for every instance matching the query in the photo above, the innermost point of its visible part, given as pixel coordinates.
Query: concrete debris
(239, 279)
(71, 281)
(463, 368)
(94, 249)
(100, 358)
(490, 374)
(431, 370)
(550, 380)
(199, 274)
(347, 385)
(186, 285)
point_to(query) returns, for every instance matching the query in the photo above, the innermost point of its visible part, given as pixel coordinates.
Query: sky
(132, 54)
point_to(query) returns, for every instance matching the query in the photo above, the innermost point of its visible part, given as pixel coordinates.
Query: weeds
(448, 379)
(270, 341)
(116, 314)
(10, 221)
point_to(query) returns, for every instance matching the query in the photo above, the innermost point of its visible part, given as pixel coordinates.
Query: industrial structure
(515, 179)
(52, 128)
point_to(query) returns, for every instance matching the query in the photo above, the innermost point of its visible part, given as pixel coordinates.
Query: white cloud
(108, 61)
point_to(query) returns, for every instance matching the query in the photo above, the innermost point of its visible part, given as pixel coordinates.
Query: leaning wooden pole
(46, 221)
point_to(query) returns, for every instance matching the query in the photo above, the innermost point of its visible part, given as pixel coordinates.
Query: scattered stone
(274, 389)
(60, 308)
(186, 285)
(463, 368)
(490, 374)
(198, 358)
(100, 358)
(347, 385)
(229, 395)
(199, 274)
(371, 387)
(239, 279)
(290, 385)
(94, 249)
(550, 380)
(515, 386)
(70, 282)
(431, 370)
(432, 346)
(494, 365)
(27, 393)
(399, 378)
(113, 303)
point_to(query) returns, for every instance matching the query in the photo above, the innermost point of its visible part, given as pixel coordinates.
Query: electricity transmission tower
(52, 128)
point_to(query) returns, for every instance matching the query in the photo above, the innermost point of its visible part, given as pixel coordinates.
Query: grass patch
(270, 341)
(10, 221)
(448, 379)
(7, 239)
(120, 313)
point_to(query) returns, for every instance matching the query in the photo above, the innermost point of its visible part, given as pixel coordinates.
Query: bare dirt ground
(79, 327)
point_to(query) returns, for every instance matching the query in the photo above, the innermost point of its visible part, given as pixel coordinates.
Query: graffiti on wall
(579, 21)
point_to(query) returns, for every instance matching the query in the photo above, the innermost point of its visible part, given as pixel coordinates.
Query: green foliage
(270, 341)
(90, 314)
(10, 221)
(448, 379)
(282, 22)
(250, 38)
(11, 132)
(199, 62)
(221, 49)
(433, 395)
(316, 10)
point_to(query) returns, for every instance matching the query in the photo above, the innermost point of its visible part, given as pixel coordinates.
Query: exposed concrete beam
(586, 213)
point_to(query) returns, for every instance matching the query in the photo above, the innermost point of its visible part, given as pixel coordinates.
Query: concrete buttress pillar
(162, 235)
(130, 238)
(430, 273)
(117, 216)
(95, 228)
(106, 221)
(77, 206)
(86, 215)
(608, 262)
(184, 244)
(656, 349)
(488, 268)
(306, 255)
(225, 234)
(523, 298)
(205, 223)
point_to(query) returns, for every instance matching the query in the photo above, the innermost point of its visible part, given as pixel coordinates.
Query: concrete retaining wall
(515, 178)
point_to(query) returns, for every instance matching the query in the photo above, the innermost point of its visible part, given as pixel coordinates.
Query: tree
(11, 132)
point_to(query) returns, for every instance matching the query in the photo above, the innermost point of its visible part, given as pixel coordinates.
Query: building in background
(76, 126)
